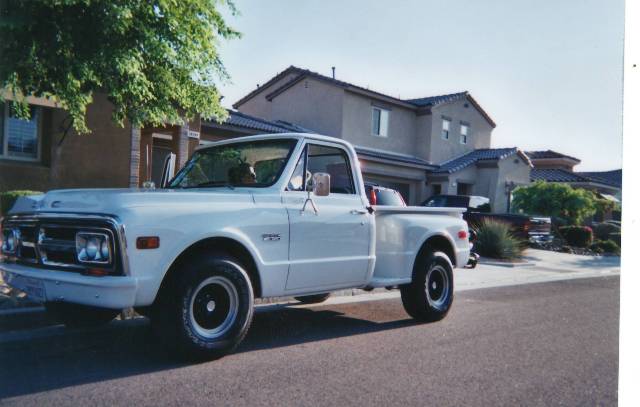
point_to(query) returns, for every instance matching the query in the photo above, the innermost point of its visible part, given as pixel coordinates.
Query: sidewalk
(549, 266)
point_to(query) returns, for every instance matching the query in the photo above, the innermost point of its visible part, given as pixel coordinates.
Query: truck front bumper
(44, 285)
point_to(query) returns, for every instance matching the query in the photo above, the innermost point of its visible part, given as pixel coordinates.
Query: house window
(19, 139)
(379, 122)
(464, 133)
(446, 123)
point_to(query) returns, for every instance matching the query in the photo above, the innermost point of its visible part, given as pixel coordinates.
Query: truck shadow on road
(54, 358)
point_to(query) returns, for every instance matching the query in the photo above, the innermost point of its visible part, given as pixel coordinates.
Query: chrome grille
(51, 243)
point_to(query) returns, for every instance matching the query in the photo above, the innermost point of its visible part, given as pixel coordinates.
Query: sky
(549, 73)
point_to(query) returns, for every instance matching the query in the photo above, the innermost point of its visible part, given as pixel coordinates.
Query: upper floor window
(379, 122)
(446, 124)
(464, 133)
(19, 139)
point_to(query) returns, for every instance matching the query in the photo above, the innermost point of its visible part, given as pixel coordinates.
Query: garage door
(403, 188)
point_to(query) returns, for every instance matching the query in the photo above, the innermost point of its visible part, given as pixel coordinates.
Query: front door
(328, 248)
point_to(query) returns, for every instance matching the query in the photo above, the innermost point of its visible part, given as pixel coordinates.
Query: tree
(157, 61)
(558, 200)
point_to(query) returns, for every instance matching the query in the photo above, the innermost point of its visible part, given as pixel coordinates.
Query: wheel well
(441, 244)
(229, 246)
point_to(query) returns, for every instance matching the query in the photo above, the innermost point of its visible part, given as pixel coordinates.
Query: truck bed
(401, 232)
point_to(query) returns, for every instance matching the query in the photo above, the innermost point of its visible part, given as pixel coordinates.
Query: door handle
(359, 212)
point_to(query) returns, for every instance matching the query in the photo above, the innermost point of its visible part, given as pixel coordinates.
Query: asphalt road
(538, 344)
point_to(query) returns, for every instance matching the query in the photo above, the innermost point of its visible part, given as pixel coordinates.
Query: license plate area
(33, 287)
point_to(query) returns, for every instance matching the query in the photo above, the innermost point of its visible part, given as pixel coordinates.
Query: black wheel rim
(437, 287)
(214, 307)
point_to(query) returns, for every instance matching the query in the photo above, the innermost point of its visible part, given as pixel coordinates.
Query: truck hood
(111, 201)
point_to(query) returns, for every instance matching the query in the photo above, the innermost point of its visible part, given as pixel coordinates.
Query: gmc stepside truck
(259, 216)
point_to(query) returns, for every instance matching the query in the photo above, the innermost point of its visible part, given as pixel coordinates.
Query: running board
(386, 282)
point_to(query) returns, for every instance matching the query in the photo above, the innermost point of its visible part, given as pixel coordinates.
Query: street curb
(506, 264)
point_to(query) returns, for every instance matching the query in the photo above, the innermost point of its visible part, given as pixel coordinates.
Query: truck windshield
(246, 164)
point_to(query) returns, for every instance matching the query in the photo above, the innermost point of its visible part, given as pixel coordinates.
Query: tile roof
(613, 178)
(436, 100)
(555, 175)
(385, 155)
(472, 157)
(610, 178)
(535, 155)
(411, 103)
(246, 121)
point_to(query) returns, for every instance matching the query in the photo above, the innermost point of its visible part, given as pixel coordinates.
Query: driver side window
(331, 160)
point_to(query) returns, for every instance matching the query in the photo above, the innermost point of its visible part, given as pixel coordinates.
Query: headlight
(10, 238)
(93, 248)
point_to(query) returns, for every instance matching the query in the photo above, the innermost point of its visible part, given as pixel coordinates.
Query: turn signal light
(147, 242)
(463, 234)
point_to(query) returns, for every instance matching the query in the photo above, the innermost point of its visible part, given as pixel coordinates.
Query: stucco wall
(312, 104)
(357, 125)
(459, 111)
(258, 105)
(512, 169)
(422, 138)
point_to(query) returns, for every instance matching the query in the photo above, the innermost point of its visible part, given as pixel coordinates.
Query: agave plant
(495, 240)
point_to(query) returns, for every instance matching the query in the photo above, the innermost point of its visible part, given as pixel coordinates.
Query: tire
(313, 299)
(79, 316)
(429, 296)
(207, 312)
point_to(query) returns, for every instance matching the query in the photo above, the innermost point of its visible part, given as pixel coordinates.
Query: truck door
(328, 248)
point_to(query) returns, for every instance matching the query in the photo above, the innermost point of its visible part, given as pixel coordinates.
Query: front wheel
(209, 311)
(429, 296)
(79, 316)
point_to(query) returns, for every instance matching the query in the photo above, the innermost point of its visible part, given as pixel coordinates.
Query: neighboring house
(551, 166)
(402, 143)
(32, 155)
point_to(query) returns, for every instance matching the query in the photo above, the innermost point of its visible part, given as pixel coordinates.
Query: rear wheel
(209, 310)
(78, 316)
(429, 296)
(313, 299)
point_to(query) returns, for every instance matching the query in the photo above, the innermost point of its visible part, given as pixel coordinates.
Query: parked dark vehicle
(383, 196)
(479, 209)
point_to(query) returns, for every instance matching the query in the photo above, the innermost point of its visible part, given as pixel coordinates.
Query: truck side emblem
(271, 237)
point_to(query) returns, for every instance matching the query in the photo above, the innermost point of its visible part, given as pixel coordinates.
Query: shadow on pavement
(62, 358)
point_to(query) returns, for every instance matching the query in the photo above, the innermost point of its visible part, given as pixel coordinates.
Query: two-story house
(425, 146)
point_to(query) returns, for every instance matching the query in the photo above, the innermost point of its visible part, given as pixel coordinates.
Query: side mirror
(321, 184)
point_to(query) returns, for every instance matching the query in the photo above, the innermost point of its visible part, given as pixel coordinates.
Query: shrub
(605, 246)
(7, 199)
(616, 238)
(603, 231)
(580, 236)
(494, 239)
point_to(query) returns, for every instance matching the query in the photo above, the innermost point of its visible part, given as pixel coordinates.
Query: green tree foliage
(573, 205)
(157, 61)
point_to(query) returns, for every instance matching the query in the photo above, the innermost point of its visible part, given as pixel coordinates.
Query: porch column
(134, 163)
(183, 145)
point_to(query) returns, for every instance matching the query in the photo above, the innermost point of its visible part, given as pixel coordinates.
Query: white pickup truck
(259, 216)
